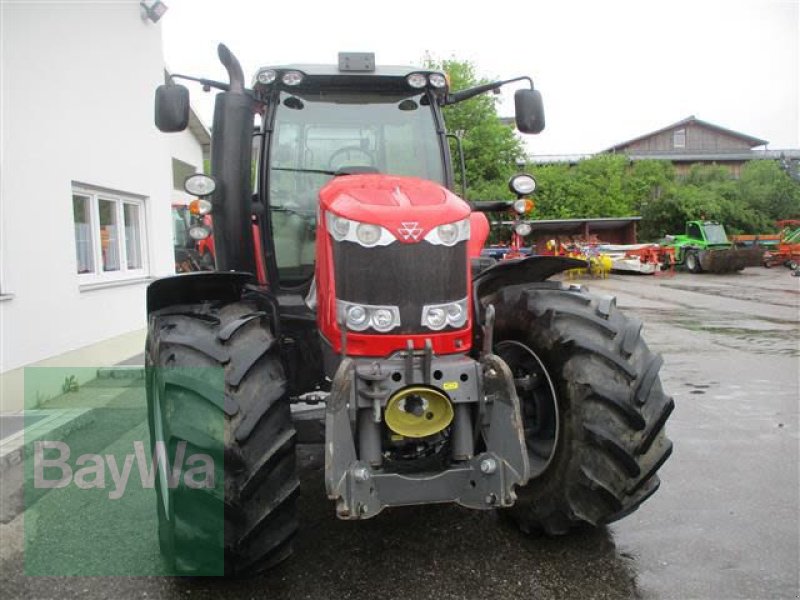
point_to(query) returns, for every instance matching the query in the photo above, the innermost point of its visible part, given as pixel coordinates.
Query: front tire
(605, 432)
(693, 262)
(215, 379)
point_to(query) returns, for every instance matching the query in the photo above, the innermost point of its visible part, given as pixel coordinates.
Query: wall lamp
(152, 10)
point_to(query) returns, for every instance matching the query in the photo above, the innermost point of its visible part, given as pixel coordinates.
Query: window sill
(103, 285)
(6, 297)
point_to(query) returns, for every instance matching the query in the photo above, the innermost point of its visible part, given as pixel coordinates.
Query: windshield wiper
(294, 170)
(354, 170)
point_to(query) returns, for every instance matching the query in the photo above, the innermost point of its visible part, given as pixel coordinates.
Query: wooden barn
(692, 141)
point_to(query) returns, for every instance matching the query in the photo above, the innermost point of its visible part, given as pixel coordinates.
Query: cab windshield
(319, 134)
(715, 234)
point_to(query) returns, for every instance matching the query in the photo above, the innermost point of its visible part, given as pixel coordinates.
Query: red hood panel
(393, 202)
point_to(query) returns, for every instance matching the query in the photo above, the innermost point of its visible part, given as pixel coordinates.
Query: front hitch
(362, 487)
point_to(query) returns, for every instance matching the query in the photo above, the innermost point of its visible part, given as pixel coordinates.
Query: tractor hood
(408, 207)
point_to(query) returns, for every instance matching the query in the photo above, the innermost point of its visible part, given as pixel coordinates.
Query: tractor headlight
(382, 319)
(439, 316)
(266, 76)
(449, 234)
(198, 232)
(417, 80)
(523, 229)
(368, 235)
(200, 185)
(437, 80)
(522, 184)
(363, 234)
(292, 78)
(339, 227)
(356, 317)
(360, 317)
(435, 318)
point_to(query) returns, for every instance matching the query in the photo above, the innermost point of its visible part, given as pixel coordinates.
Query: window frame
(679, 133)
(119, 200)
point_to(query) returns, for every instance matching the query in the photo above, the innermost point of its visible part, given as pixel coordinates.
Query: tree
(770, 190)
(491, 149)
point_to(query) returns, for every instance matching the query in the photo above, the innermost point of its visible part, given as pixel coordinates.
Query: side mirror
(172, 108)
(529, 111)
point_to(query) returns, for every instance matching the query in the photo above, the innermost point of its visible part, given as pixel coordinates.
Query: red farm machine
(352, 277)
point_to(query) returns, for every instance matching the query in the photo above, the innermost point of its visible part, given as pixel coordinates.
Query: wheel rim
(538, 403)
(691, 262)
(161, 466)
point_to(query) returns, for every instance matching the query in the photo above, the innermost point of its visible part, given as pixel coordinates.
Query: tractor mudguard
(192, 288)
(526, 270)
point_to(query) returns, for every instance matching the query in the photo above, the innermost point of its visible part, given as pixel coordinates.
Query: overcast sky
(608, 70)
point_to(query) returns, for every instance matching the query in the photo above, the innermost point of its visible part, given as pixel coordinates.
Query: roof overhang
(577, 225)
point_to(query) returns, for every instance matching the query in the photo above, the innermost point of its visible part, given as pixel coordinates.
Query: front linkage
(363, 388)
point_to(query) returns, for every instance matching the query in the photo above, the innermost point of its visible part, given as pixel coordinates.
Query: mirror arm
(480, 89)
(206, 83)
(491, 205)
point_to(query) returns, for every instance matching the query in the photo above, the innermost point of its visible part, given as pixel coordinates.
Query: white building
(86, 184)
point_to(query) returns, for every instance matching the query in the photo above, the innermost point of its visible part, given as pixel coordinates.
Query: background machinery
(705, 247)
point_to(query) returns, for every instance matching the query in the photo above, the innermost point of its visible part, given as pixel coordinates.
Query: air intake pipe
(231, 156)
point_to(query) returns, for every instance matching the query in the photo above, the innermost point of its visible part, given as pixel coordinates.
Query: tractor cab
(321, 122)
(709, 233)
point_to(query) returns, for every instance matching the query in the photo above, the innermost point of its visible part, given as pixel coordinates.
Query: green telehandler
(705, 247)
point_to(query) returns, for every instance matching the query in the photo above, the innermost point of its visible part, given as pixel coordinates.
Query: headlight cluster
(268, 76)
(369, 235)
(359, 317)
(363, 234)
(449, 234)
(420, 80)
(439, 316)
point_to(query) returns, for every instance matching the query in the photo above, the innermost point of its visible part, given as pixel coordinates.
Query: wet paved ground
(723, 525)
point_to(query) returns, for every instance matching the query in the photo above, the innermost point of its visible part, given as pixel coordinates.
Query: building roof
(748, 139)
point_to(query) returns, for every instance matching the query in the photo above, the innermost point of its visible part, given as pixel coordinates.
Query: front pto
(458, 417)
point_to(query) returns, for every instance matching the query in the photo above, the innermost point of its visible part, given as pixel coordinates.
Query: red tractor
(352, 278)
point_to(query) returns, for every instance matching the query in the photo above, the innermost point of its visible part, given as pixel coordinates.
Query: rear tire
(792, 264)
(611, 410)
(247, 526)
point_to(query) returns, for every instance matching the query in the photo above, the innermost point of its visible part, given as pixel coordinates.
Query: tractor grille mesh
(404, 275)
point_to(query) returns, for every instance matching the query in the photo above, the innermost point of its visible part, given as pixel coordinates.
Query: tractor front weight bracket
(362, 487)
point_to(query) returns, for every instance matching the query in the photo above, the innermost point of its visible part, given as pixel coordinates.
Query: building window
(109, 235)
(679, 138)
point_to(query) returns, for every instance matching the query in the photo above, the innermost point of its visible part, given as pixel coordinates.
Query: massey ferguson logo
(410, 231)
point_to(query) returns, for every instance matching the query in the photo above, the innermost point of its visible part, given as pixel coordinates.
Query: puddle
(760, 335)
(750, 294)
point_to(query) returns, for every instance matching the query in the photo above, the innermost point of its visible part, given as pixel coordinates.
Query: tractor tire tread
(614, 409)
(259, 437)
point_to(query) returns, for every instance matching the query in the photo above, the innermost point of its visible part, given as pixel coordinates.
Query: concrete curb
(121, 372)
(56, 424)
